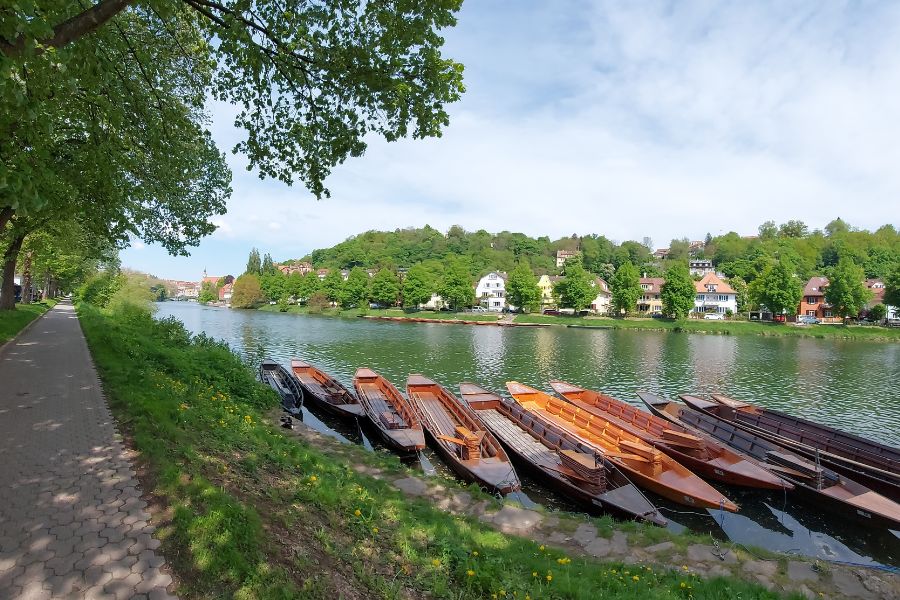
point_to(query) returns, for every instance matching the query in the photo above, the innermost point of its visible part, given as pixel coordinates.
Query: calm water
(847, 384)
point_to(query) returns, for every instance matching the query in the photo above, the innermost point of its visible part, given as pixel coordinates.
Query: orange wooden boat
(561, 461)
(702, 456)
(645, 465)
(325, 391)
(389, 412)
(460, 437)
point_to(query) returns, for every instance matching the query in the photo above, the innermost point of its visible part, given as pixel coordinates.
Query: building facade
(563, 255)
(714, 296)
(600, 304)
(700, 267)
(649, 301)
(490, 291)
(813, 304)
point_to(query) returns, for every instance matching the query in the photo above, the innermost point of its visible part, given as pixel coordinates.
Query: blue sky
(665, 120)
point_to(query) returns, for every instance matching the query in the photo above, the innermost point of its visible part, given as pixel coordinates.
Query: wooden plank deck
(378, 402)
(519, 439)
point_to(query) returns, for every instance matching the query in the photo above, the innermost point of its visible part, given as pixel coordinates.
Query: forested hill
(810, 252)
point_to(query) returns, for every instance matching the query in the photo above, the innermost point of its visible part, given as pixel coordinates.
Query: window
(828, 313)
(810, 313)
(701, 297)
(711, 287)
(485, 294)
(492, 276)
(645, 286)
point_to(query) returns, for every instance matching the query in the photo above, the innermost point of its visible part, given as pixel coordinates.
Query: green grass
(251, 513)
(386, 312)
(14, 321)
(723, 327)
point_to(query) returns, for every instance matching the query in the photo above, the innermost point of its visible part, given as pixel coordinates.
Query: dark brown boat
(460, 437)
(706, 458)
(279, 379)
(645, 465)
(389, 412)
(875, 465)
(817, 484)
(562, 462)
(325, 391)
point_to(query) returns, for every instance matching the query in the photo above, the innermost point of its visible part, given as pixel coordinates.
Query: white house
(563, 255)
(714, 296)
(600, 304)
(435, 303)
(701, 267)
(490, 291)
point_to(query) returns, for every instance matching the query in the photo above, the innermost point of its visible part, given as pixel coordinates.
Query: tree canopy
(846, 291)
(626, 288)
(678, 292)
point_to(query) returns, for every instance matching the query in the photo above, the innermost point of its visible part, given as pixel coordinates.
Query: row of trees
(105, 128)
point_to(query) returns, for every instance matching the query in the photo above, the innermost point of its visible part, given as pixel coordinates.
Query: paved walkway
(72, 522)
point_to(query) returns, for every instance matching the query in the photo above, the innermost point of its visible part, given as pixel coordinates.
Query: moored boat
(866, 461)
(279, 379)
(702, 456)
(460, 437)
(561, 461)
(389, 411)
(817, 484)
(325, 391)
(645, 465)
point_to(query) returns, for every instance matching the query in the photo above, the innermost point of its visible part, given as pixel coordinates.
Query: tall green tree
(355, 290)
(254, 263)
(846, 291)
(268, 265)
(418, 285)
(274, 286)
(457, 288)
(678, 291)
(522, 289)
(208, 293)
(384, 288)
(626, 288)
(574, 289)
(892, 287)
(778, 288)
(309, 284)
(247, 291)
(333, 285)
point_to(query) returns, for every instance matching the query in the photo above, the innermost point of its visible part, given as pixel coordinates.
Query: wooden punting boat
(277, 377)
(873, 464)
(819, 485)
(645, 465)
(559, 459)
(389, 412)
(460, 437)
(702, 456)
(325, 391)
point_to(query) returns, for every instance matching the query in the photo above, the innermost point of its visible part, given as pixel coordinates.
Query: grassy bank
(723, 327)
(247, 512)
(14, 321)
(386, 312)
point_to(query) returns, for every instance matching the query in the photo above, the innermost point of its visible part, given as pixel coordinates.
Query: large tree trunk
(7, 288)
(26, 278)
(5, 215)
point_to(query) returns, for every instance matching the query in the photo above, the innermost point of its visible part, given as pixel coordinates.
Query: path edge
(11, 341)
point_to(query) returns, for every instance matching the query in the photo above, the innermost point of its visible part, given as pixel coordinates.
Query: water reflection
(851, 385)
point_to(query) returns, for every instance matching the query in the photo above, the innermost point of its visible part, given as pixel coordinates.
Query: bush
(318, 302)
(99, 288)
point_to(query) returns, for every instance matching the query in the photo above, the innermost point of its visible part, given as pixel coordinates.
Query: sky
(630, 120)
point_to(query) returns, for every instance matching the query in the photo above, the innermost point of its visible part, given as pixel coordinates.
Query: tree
(575, 290)
(417, 286)
(678, 291)
(878, 312)
(892, 287)
(384, 288)
(332, 286)
(309, 285)
(247, 292)
(626, 288)
(356, 289)
(768, 230)
(846, 292)
(456, 288)
(793, 229)
(680, 250)
(208, 293)
(778, 289)
(254, 264)
(741, 292)
(268, 267)
(522, 289)
(836, 227)
(274, 286)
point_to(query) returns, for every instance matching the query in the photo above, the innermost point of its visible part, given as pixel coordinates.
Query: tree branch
(71, 29)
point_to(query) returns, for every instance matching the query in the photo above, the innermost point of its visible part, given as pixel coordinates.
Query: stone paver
(70, 505)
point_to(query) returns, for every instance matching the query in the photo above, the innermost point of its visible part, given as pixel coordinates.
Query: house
(563, 255)
(345, 274)
(696, 247)
(301, 268)
(813, 304)
(322, 273)
(600, 304)
(876, 286)
(546, 283)
(490, 291)
(225, 293)
(650, 301)
(661, 253)
(435, 303)
(701, 268)
(714, 296)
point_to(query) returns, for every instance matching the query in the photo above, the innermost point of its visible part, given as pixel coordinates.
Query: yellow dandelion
(357, 512)
(221, 422)
(374, 530)
(502, 592)
(248, 418)
(683, 585)
(636, 578)
(474, 552)
(435, 562)
(684, 567)
(470, 573)
(313, 478)
(534, 573)
(549, 578)
(541, 548)
(183, 406)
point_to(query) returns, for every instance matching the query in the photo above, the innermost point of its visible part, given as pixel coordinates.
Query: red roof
(655, 283)
(815, 286)
(712, 279)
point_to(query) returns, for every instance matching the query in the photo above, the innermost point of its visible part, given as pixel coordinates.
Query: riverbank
(14, 321)
(850, 332)
(243, 509)
(384, 312)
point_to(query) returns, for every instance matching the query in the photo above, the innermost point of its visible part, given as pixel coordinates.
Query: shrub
(317, 303)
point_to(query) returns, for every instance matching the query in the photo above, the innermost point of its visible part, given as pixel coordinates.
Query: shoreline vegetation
(731, 327)
(12, 322)
(244, 510)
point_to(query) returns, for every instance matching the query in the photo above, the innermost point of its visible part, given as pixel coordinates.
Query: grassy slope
(13, 321)
(388, 312)
(254, 514)
(723, 327)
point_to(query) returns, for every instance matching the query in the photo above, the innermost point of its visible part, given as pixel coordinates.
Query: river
(852, 385)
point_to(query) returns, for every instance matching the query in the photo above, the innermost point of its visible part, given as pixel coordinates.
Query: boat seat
(552, 438)
(639, 449)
